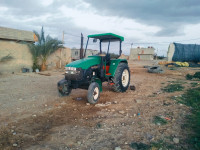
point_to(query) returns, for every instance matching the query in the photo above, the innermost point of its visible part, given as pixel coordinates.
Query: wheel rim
(125, 78)
(96, 93)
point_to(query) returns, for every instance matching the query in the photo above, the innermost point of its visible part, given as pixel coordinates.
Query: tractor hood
(86, 62)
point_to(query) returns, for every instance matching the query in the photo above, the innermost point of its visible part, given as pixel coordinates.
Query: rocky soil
(32, 116)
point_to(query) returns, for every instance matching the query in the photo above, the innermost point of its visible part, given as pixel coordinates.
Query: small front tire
(93, 93)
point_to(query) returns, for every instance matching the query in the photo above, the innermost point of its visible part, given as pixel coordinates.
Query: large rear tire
(93, 93)
(122, 78)
(64, 88)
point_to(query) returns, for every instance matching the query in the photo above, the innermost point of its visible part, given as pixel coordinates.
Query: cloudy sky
(144, 23)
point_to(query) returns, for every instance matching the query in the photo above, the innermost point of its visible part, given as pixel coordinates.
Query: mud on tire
(122, 78)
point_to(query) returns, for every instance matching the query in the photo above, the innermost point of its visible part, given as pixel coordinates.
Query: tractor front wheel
(64, 88)
(122, 78)
(93, 93)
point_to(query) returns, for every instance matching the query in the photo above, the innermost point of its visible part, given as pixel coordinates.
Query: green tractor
(89, 73)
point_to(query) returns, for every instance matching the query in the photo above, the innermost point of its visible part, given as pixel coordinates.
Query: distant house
(75, 53)
(142, 53)
(183, 52)
(59, 58)
(11, 45)
(124, 57)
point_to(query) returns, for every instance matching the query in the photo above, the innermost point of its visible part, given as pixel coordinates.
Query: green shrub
(158, 120)
(192, 98)
(139, 146)
(197, 75)
(194, 84)
(173, 88)
(189, 77)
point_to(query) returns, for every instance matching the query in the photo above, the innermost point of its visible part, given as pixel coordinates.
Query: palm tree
(34, 49)
(43, 48)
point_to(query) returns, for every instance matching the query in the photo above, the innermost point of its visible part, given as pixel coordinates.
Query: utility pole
(131, 45)
(61, 51)
(81, 49)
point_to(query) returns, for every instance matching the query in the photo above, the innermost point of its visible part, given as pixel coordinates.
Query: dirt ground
(32, 116)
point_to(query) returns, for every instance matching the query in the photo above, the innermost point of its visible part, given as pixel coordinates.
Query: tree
(43, 48)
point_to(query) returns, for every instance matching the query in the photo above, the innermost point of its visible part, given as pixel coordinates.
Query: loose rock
(115, 102)
(79, 98)
(14, 144)
(102, 105)
(138, 101)
(132, 87)
(122, 112)
(123, 124)
(176, 140)
(117, 148)
(63, 103)
(79, 143)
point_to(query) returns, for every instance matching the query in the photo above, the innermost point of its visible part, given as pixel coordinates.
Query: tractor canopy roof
(105, 37)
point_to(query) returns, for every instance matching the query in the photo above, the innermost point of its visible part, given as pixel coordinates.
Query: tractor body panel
(97, 80)
(86, 62)
(113, 65)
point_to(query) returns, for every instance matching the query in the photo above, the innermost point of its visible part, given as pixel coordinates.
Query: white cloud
(3, 9)
(93, 21)
(138, 25)
(46, 2)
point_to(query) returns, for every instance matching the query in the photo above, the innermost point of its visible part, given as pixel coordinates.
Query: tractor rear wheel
(122, 78)
(64, 88)
(93, 93)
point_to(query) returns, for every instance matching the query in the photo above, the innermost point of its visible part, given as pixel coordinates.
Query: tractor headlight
(72, 70)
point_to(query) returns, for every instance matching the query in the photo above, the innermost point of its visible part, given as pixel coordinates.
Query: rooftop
(17, 35)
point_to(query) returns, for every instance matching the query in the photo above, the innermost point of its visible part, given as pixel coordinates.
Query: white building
(142, 53)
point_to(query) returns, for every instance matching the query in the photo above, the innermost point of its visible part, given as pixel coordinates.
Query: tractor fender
(114, 64)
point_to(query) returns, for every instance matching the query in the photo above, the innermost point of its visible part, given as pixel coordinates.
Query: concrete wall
(53, 60)
(75, 54)
(170, 52)
(23, 58)
(20, 52)
(146, 57)
(143, 53)
(91, 52)
(124, 57)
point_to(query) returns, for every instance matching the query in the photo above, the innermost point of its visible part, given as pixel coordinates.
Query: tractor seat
(102, 55)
